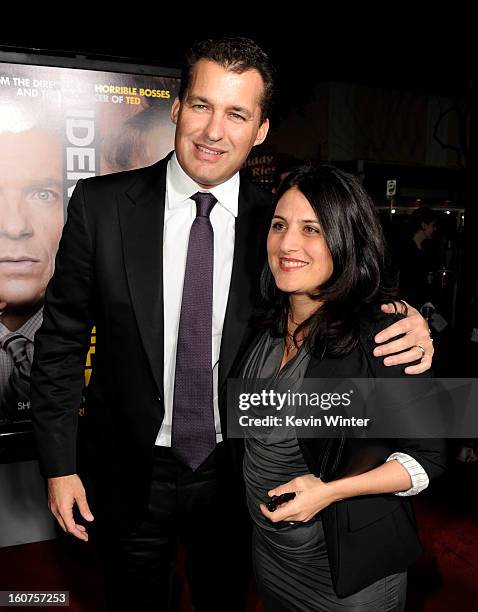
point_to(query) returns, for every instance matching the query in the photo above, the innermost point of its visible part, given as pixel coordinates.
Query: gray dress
(290, 560)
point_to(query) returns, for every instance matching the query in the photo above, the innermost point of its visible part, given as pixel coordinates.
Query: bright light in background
(393, 211)
(20, 114)
(15, 119)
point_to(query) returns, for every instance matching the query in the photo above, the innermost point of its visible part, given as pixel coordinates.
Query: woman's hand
(312, 496)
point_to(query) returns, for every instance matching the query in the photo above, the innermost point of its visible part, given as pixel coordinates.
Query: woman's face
(298, 255)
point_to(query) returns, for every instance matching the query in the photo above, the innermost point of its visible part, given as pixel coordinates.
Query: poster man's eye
(45, 195)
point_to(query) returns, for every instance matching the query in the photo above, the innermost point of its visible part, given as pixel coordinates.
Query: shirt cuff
(418, 475)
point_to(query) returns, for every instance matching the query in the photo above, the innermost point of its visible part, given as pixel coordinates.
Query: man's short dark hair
(421, 215)
(235, 54)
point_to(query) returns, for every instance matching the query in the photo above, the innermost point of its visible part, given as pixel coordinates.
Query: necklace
(291, 343)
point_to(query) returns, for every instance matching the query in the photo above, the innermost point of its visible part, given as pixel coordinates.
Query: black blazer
(108, 273)
(371, 536)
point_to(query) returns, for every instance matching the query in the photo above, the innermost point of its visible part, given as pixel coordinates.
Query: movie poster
(58, 125)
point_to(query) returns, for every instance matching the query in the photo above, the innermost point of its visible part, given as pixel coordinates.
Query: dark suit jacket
(371, 536)
(109, 273)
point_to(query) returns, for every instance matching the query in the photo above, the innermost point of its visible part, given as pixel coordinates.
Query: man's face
(429, 229)
(218, 122)
(31, 214)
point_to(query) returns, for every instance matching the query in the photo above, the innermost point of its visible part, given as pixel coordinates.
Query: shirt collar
(28, 329)
(181, 187)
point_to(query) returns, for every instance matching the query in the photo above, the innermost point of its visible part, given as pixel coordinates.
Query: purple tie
(194, 434)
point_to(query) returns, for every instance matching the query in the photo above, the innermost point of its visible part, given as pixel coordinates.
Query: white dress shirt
(179, 214)
(418, 476)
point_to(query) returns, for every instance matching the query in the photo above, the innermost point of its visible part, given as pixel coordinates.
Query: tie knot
(204, 203)
(14, 344)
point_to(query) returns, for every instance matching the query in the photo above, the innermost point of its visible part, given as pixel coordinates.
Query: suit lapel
(141, 213)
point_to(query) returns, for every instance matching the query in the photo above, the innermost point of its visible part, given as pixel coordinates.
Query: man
(31, 220)
(417, 262)
(156, 476)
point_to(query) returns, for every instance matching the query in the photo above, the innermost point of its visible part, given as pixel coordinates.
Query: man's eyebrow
(195, 98)
(42, 183)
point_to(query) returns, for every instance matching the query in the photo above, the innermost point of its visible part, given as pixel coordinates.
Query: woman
(322, 288)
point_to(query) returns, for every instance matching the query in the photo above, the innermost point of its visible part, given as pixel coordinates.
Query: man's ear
(262, 132)
(175, 110)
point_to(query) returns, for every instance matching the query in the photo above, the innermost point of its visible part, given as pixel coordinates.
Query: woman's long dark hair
(353, 233)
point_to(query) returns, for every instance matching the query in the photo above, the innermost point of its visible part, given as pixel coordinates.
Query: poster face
(58, 125)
